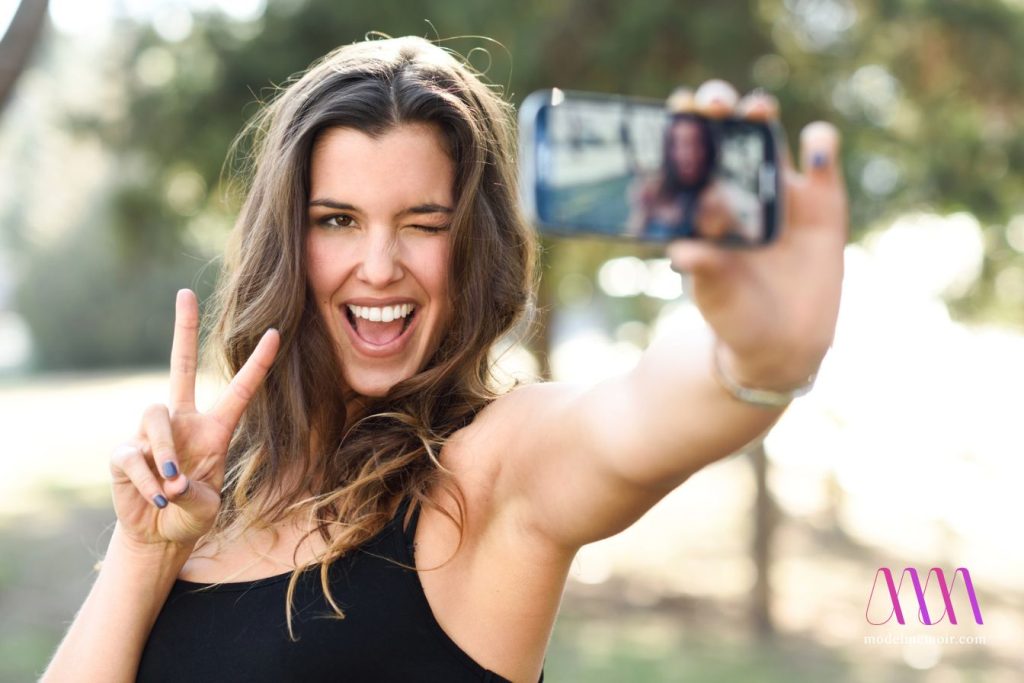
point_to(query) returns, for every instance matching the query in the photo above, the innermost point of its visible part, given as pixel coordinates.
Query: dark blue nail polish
(170, 470)
(819, 160)
(160, 501)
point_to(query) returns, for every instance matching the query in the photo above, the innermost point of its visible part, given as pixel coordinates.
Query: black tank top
(237, 631)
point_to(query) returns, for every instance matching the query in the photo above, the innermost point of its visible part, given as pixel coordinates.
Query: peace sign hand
(167, 480)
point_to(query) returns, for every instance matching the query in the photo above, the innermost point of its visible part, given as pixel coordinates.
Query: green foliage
(926, 93)
(947, 126)
(90, 307)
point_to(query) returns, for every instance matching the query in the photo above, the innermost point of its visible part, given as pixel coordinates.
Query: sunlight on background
(7, 10)
(61, 428)
(94, 20)
(171, 19)
(909, 442)
(915, 416)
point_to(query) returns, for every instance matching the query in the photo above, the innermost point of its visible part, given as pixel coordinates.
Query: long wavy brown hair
(296, 449)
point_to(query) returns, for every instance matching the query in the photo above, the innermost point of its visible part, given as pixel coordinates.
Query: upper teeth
(383, 314)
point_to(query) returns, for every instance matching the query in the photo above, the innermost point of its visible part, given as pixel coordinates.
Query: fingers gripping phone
(628, 168)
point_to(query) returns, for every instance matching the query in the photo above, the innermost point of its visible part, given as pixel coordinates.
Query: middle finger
(157, 432)
(716, 98)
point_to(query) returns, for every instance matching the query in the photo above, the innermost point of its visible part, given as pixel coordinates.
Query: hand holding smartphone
(628, 168)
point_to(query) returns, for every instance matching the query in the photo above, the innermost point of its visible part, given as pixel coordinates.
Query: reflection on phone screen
(611, 167)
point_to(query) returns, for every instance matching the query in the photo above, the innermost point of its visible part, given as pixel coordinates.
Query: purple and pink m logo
(919, 590)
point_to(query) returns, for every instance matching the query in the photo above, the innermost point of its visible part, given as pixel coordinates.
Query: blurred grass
(611, 648)
(46, 569)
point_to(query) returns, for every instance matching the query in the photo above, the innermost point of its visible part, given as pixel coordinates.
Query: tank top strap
(406, 554)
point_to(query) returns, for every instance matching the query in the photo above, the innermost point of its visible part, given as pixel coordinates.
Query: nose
(379, 263)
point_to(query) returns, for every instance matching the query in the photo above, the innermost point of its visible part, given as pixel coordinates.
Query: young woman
(668, 201)
(684, 198)
(360, 504)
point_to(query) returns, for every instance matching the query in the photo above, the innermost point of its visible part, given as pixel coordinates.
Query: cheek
(431, 265)
(441, 276)
(432, 274)
(314, 263)
(321, 269)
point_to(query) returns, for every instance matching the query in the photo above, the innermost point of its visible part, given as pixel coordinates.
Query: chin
(373, 385)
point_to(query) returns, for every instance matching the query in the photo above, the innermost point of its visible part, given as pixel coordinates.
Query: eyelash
(328, 222)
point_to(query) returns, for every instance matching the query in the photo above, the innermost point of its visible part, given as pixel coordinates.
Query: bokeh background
(114, 193)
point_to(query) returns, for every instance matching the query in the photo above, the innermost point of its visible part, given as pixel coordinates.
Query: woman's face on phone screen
(688, 152)
(377, 249)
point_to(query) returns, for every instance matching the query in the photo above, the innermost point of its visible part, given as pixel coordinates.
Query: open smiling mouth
(380, 327)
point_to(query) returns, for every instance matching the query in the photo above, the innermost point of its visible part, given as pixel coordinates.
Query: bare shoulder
(489, 455)
(511, 421)
(525, 402)
(479, 450)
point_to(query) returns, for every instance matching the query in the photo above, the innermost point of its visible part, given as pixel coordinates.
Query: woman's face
(377, 249)
(686, 147)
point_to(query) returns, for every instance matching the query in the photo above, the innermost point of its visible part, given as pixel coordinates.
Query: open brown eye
(342, 221)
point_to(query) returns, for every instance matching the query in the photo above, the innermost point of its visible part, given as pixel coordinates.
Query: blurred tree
(87, 308)
(17, 43)
(925, 92)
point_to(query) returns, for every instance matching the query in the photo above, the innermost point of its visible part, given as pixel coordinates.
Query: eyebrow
(419, 209)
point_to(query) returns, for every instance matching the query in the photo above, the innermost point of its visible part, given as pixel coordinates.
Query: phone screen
(627, 168)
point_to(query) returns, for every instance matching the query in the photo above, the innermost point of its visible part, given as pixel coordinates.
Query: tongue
(379, 333)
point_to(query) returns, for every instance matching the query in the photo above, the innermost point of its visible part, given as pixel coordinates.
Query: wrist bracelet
(763, 398)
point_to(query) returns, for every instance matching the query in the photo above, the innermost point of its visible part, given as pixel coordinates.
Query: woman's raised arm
(596, 459)
(166, 488)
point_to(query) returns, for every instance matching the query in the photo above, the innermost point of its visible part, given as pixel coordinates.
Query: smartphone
(623, 167)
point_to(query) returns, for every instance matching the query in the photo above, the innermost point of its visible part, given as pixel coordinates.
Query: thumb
(195, 508)
(819, 152)
(179, 490)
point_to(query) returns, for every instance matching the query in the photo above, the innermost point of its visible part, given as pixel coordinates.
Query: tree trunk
(17, 43)
(764, 528)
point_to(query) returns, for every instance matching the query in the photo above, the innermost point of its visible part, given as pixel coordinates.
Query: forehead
(405, 166)
(685, 129)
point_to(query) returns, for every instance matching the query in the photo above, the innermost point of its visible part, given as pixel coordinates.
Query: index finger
(184, 351)
(246, 382)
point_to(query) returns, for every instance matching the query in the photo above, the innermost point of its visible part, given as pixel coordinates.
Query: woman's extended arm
(595, 459)
(166, 486)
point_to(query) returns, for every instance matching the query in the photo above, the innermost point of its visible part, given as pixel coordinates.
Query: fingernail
(169, 469)
(819, 160)
(160, 501)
